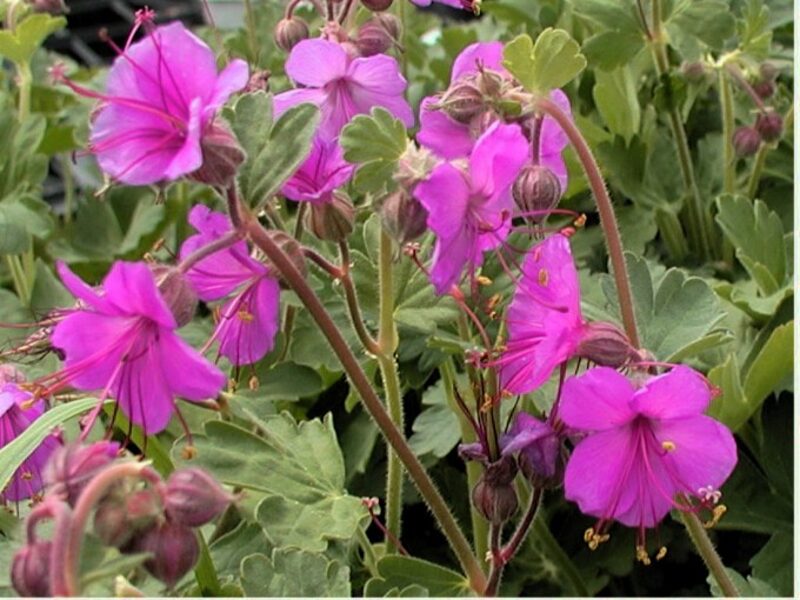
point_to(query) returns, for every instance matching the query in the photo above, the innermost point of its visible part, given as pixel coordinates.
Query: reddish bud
(177, 292)
(768, 71)
(764, 88)
(53, 7)
(463, 102)
(222, 156)
(290, 32)
(30, 570)
(332, 221)
(377, 5)
(174, 548)
(71, 467)
(605, 344)
(746, 141)
(403, 216)
(373, 38)
(292, 249)
(494, 495)
(769, 126)
(193, 498)
(694, 72)
(536, 191)
(111, 522)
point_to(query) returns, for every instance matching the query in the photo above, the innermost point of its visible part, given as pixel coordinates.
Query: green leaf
(436, 429)
(294, 573)
(710, 21)
(731, 407)
(274, 150)
(751, 587)
(552, 62)
(14, 454)
(772, 364)
(20, 45)
(614, 94)
(609, 50)
(774, 563)
(229, 550)
(402, 571)
(755, 35)
(615, 15)
(375, 142)
(757, 234)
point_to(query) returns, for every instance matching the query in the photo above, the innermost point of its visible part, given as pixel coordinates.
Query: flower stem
(387, 342)
(372, 403)
(728, 157)
(755, 174)
(224, 241)
(353, 306)
(705, 548)
(25, 83)
(498, 564)
(608, 220)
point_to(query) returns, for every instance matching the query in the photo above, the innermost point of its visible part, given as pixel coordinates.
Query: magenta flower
(538, 445)
(451, 139)
(470, 211)
(162, 94)
(249, 321)
(18, 409)
(544, 319)
(342, 86)
(323, 171)
(122, 340)
(649, 448)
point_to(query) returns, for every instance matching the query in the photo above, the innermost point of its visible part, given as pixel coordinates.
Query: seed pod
(373, 38)
(764, 88)
(536, 191)
(193, 498)
(222, 156)
(746, 141)
(290, 32)
(177, 292)
(71, 467)
(494, 495)
(463, 102)
(694, 72)
(332, 221)
(30, 570)
(769, 126)
(174, 548)
(605, 344)
(390, 23)
(377, 5)
(403, 216)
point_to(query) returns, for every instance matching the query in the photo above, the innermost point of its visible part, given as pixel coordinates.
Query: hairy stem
(498, 565)
(224, 241)
(755, 174)
(728, 155)
(708, 553)
(608, 220)
(372, 403)
(353, 306)
(291, 311)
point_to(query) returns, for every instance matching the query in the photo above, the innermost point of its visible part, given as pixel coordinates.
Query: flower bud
(768, 71)
(403, 216)
(490, 83)
(494, 495)
(769, 126)
(605, 344)
(332, 221)
(290, 32)
(30, 570)
(174, 548)
(694, 72)
(373, 38)
(124, 513)
(536, 191)
(111, 522)
(415, 165)
(222, 156)
(462, 102)
(10, 374)
(764, 88)
(71, 467)
(177, 292)
(390, 23)
(377, 5)
(292, 249)
(53, 7)
(746, 141)
(193, 498)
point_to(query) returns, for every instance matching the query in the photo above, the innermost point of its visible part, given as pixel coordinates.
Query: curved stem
(353, 307)
(608, 220)
(291, 311)
(709, 555)
(225, 241)
(372, 403)
(755, 174)
(521, 532)
(498, 564)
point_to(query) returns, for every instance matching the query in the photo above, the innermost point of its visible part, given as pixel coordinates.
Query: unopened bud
(403, 216)
(764, 88)
(290, 32)
(53, 7)
(111, 522)
(769, 126)
(390, 23)
(174, 551)
(332, 221)
(377, 5)
(415, 165)
(768, 71)
(193, 498)
(494, 495)
(605, 344)
(222, 156)
(30, 570)
(746, 141)
(177, 292)
(490, 82)
(71, 467)
(373, 38)
(463, 102)
(536, 191)
(292, 248)
(258, 82)
(694, 72)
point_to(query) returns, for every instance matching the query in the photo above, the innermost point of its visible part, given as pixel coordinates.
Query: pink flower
(18, 410)
(469, 211)
(162, 94)
(248, 321)
(463, 4)
(649, 449)
(538, 445)
(323, 171)
(544, 319)
(122, 340)
(342, 86)
(451, 139)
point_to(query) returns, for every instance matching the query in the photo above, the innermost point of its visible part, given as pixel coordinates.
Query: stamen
(716, 515)
(544, 277)
(662, 552)
(668, 446)
(483, 280)
(642, 556)
(709, 494)
(594, 539)
(253, 383)
(245, 316)
(188, 452)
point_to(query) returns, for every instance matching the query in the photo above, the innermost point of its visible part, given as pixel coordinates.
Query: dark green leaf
(294, 573)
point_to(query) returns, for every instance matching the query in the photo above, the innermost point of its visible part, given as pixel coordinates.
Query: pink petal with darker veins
(681, 392)
(249, 323)
(486, 54)
(316, 62)
(443, 135)
(597, 400)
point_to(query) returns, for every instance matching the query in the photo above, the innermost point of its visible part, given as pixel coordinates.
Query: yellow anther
(483, 280)
(493, 302)
(245, 316)
(594, 539)
(642, 556)
(588, 534)
(27, 475)
(579, 222)
(668, 446)
(487, 403)
(716, 515)
(188, 452)
(253, 383)
(232, 384)
(662, 552)
(544, 277)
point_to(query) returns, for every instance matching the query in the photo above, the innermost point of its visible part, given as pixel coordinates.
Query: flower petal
(249, 323)
(231, 79)
(189, 375)
(486, 54)
(189, 157)
(315, 62)
(596, 400)
(83, 292)
(497, 158)
(132, 288)
(440, 133)
(376, 81)
(679, 393)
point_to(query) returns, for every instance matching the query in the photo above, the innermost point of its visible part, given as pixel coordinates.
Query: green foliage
(710, 21)
(614, 95)
(397, 573)
(20, 45)
(436, 428)
(552, 62)
(294, 573)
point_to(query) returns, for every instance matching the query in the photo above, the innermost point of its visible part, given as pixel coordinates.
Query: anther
(245, 316)
(580, 221)
(668, 446)
(662, 552)
(544, 277)
(253, 383)
(483, 280)
(642, 556)
(716, 515)
(588, 534)
(188, 452)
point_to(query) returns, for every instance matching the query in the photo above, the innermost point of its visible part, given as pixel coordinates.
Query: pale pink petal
(315, 62)
(596, 400)
(679, 393)
(486, 54)
(555, 162)
(553, 139)
(131, 287)
(440, 133)
(376, 81)
(286, 100)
